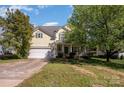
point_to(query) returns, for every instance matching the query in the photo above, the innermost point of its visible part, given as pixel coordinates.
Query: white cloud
(3, 9)
(51, 24)
(37, 12)
(21, 7)
(42, 6)
(70, 6)
(69, 16)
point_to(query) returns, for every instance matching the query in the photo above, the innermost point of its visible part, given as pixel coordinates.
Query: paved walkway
(11, 74)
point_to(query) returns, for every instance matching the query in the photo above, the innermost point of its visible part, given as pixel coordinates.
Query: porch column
(54, 49)
(56, 52)
(63, 50)
(70, 48)
(97, 51)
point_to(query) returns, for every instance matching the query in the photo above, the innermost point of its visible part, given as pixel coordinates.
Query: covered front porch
(65, 50)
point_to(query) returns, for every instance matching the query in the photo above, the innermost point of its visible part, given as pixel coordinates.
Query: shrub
(60, 55)
(57, 60)
(72, 61)
(7, 57)
(121, 57)
(71, 55)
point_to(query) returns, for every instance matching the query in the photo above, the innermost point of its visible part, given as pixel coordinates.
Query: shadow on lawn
(59, 60)
(103, 63)
(90, 61)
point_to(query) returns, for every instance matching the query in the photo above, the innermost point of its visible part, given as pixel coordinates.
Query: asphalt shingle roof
(49, 30)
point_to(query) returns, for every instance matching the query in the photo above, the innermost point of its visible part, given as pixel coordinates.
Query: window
(74, 49)
(61, 36)
(59, 47)
(39, 35)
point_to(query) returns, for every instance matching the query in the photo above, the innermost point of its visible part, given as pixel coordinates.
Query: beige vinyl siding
(43, 42)
(57, 34)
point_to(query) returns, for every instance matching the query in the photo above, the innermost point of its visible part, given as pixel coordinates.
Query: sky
(44, 15)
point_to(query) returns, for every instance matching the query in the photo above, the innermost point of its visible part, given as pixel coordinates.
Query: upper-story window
(61, 36)
(39, 35)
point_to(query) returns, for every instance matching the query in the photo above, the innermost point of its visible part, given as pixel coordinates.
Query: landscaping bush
(104, 56)
(72, 61)
(121, 57)
(71, 55)
(60, 55)
(100, 56)
(114, 57)
(86, 57)
(7, 57)
(61, 60)
(57, 60)
(90, 54)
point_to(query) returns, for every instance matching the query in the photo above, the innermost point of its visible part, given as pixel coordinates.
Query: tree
(2, 22)
(108, 26)
(77, 22)
(103, 26)
(17, 32)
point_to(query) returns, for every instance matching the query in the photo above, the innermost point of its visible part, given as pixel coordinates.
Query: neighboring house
(1, 50)
(6, 51)
(121, 55)
(48, 41)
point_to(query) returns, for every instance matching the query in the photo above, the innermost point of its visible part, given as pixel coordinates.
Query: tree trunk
(107, 59)
(97, 50)
(107, 55)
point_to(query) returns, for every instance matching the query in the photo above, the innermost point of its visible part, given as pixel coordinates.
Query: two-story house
(48, 41)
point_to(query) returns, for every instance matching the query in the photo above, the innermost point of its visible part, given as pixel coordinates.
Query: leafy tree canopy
(17, 32)
(101, 26)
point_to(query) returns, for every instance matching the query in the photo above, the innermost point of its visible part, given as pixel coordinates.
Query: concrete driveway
(11, 74)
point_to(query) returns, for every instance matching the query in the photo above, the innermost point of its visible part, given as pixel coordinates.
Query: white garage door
(38, 53)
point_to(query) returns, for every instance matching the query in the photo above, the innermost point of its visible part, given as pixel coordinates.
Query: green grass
(11, 60)
(66, 75)
(118, 61)
(57, 75)
(105, 76)
(114, 64)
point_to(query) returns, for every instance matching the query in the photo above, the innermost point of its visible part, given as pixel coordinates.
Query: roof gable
(49, 30)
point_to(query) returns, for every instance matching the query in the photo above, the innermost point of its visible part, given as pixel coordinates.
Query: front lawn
(57, 75)
(118, 61)
(115, 64)
(77, 75)
(12, 60)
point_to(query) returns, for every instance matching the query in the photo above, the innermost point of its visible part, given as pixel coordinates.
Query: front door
(66, 50)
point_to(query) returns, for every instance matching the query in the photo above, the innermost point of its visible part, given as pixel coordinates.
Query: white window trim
(61, 36)
(39, 35)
